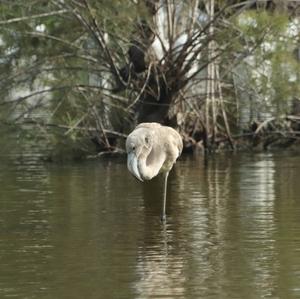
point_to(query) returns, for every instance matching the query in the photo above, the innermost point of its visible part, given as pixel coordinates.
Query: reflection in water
(160, 269)
(257, 187)
(90, 230)
(159, 262)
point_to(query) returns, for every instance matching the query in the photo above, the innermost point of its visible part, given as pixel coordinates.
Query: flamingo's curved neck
(150, 165)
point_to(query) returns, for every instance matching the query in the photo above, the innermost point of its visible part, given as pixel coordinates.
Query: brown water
(90, 230)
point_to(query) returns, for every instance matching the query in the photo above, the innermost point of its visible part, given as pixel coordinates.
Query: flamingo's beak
(132, 164)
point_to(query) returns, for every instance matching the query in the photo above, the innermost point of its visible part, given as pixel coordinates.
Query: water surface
(90, 230)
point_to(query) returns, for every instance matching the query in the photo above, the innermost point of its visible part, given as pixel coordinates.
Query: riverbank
(56, 147)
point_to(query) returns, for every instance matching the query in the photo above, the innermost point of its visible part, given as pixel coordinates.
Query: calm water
(90, 230)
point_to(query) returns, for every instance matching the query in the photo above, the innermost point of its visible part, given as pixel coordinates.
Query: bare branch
(65, 127)
(26, 18)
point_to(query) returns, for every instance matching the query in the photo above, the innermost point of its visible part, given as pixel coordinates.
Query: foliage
(83, 72)
(54, 69)
(275, 67)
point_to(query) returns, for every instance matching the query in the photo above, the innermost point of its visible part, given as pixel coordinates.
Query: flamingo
(153, 149)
